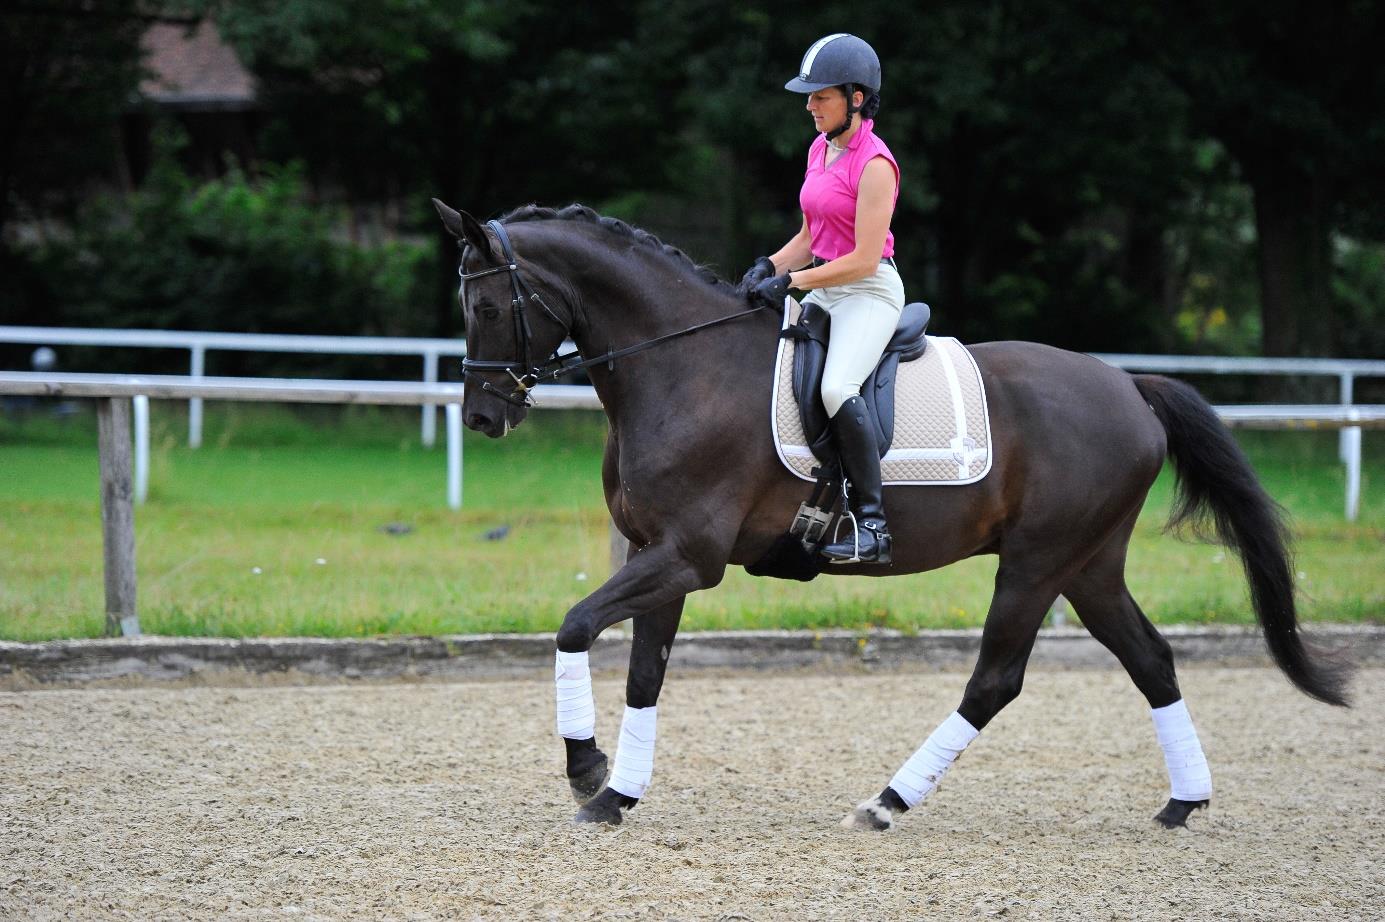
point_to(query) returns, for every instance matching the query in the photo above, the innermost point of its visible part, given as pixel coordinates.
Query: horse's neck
(636, 307)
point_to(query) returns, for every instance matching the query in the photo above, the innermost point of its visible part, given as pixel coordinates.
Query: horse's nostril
(477, 421)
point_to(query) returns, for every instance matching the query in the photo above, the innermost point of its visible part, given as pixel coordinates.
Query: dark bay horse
(692, 479)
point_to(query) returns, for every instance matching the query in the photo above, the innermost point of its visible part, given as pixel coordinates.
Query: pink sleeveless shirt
(828, 196)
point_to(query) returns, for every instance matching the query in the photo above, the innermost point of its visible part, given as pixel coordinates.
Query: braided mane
(616, 226)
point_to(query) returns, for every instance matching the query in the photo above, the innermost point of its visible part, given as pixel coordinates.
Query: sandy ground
(429, 801)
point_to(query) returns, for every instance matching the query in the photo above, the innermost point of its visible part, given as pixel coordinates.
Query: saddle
(810, 334)
(942, 427)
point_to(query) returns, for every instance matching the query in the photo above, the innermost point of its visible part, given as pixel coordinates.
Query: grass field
(283, 524)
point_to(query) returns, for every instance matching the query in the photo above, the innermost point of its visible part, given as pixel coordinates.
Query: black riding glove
(772, 291)
(763, 269)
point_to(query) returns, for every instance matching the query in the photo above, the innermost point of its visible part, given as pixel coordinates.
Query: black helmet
(837, 59)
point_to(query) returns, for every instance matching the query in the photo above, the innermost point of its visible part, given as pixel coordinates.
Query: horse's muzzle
(494, 422)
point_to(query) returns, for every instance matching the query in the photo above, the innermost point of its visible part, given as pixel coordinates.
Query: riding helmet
(837, 59)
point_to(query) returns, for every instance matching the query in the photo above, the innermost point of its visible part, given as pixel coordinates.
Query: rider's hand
(763, 269)
(772, 291)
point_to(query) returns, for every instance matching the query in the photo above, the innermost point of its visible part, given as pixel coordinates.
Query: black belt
(819, 261)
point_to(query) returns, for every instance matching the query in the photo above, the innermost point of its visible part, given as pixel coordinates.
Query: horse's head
(513, 322)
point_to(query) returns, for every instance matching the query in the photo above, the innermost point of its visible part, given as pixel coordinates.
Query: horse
(683, 366)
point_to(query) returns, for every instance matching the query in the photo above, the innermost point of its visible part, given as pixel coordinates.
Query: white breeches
(864, 316)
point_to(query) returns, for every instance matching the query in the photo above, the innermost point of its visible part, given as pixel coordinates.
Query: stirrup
(882, 544)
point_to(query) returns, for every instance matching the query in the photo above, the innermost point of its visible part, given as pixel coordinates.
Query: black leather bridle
(520, 291)
(556, 365)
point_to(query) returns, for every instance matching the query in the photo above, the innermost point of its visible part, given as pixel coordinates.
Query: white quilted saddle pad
(942, 431)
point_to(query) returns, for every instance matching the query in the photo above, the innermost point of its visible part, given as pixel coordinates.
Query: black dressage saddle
(810, 356)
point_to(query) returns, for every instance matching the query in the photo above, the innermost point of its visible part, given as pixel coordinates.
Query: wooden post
(1058, 614)
(620, 549)
(117, 515)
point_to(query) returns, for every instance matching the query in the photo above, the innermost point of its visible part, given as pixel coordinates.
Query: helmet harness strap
(851, 109)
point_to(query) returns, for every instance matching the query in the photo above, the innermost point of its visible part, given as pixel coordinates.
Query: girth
(810, 358)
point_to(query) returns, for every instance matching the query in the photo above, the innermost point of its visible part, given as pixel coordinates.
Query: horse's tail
(1218, 487)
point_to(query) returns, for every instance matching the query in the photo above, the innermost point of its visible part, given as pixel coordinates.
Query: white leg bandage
(1189, 777)
(635, 752)
(576, 709)
(920, 775)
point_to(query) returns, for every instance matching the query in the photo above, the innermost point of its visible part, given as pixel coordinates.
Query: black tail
(1218, 487)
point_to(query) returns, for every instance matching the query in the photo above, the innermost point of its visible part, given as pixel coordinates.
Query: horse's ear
(463, 226)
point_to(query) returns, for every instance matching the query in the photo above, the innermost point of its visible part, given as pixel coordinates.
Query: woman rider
(842, 256)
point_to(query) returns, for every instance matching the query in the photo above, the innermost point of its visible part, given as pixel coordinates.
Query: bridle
(556, 365)
(520, 291)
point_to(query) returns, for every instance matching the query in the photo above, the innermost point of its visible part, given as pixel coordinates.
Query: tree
(483, 103)
(1042, 171)
(1293, 91)
(69, 69)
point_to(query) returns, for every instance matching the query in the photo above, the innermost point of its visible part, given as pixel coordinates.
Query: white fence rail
(430, 351)
(274, 390)
(1350, 420)
(198, 344)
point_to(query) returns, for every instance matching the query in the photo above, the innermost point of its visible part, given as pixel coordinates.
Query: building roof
(190, 67)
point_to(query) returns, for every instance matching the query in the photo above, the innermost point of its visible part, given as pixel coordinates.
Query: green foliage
(1091, 175)
(70, 69)
(1359, 286)
(229, 254)
(1213, 258)
(473, 101)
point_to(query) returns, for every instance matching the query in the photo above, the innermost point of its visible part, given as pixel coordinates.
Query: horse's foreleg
(652, 585)
(649, 651)
(1101, 599)
(1017, 610)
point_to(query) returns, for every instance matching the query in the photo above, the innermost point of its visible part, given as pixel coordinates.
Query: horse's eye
(491, 313)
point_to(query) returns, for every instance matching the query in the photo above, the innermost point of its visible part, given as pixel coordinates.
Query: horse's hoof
(604, 808)
(870, 815)
(587, 783)
(1175, 812)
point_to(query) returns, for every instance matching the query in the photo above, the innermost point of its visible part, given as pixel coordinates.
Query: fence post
(430, 411)
(1351, 438)
(454, 455)
(141, 405)
(620, 549)
(117, 515)
(199, 367)
(1058, 613)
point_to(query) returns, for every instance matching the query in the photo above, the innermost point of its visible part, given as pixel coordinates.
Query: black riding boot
(854, 438)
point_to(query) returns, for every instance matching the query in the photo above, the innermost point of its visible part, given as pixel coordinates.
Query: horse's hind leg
(1017, 609)
(1101, 599)
(653, 632)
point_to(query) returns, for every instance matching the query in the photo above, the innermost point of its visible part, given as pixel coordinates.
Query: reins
(557, 365)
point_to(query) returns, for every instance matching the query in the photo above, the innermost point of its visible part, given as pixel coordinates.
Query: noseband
(556, 365)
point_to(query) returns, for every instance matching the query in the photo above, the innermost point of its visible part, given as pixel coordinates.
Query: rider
(842, 256)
